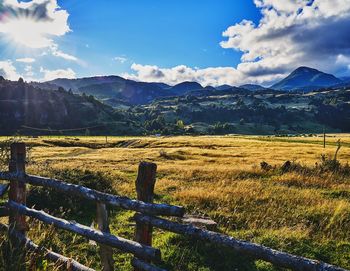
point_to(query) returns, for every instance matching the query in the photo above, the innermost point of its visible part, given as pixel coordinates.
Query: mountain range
(114, 90)
(307, 101)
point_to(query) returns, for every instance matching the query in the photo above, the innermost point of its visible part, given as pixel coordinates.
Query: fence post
(146, 179)
(17, 193)
(106, 252)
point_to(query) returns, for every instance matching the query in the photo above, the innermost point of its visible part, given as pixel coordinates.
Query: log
(200, 222)
(6, 175)
(3, 189)
(48, 254)
(145, 182)
(278, 258)
(125, 245)
(106, 252)
(113, 200)
(141, 265)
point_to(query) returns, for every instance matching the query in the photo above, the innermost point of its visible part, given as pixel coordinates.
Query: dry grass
(221, 177)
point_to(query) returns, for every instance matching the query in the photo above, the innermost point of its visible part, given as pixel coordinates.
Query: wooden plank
(113, 200)
(48, 254)
(141, 265)
(278, 258)
(125, 245)
(106, 252)
(145, 182)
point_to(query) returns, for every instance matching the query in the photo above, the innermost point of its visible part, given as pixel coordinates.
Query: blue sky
(212, 42)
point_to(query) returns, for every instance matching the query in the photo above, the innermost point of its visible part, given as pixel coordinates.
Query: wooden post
(17, 193)
(106, 252)
(145, 182)
(324, 137)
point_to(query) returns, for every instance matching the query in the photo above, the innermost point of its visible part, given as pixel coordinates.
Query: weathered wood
(8, 175)
(3, 189)
(200, 222)
(17, 191)
(256, 251)
(113, 200)
(106, 252)
(48, 254)
(141, 265)
(145, 182)
(17, 194)
(125, 245)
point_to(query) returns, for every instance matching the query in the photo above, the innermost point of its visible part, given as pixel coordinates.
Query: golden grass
(220, 176)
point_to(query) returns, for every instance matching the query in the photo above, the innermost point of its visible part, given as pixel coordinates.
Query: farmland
(304, 209)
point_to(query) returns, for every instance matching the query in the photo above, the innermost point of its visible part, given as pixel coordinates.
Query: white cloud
(292, 33)
(33, 24)
(178, 74)
(60, 73)
(120, 59)
(29, 71)
(58, 53)
(26, 60)
(8, 71)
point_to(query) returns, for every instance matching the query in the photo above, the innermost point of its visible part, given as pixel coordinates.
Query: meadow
(302, 207)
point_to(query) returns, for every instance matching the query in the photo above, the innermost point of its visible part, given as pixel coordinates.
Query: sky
(213, 42)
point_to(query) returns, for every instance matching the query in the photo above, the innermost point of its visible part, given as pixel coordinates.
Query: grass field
(304, 210)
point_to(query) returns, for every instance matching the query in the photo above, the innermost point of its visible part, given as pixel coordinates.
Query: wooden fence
(147, 216)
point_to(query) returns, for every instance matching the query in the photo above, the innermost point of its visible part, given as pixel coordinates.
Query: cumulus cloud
(293, 33)
(60, 73)
(26, 60)
(33, 23)
(181, 73)
(8, 71)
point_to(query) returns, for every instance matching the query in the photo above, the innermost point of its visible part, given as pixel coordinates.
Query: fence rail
(145, 256)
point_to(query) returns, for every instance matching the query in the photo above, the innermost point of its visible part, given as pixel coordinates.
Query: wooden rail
(50, 255)
(91, 194)
(145, 256)
(98, 236)
(256, 251)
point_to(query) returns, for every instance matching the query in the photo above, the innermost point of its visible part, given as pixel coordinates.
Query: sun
(27, 31)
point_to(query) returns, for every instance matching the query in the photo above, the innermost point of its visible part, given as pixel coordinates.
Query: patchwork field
(303, 208)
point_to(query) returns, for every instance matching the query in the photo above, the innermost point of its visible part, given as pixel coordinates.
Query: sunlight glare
(27, 31)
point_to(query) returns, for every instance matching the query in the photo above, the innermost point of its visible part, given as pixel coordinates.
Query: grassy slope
(307, 215)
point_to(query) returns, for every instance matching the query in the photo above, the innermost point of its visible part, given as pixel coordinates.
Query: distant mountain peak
(306, 78)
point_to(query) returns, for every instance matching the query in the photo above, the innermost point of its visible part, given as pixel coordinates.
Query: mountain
(345, 78)
(75, 84)
(28, 109)
(252, 87)
(130, 91)
(305, 78)
(185, 87)
(223, 87)
(114, 88)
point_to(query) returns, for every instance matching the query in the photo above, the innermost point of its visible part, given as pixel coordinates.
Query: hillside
(242, 112)
(24, 105)
(305, 78)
